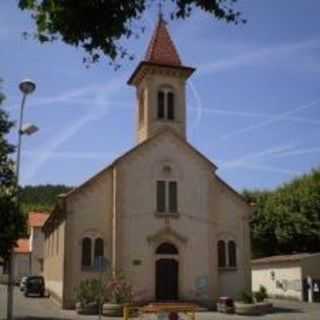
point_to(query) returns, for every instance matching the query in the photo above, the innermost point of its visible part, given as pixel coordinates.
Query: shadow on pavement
(277, 309)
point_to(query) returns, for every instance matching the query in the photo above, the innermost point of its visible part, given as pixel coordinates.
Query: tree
(287, 220)
(97, 26)
(12, 222)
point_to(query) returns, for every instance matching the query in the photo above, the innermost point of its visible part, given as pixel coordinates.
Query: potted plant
(88, 295)
(253, 303)
(118, 294)
(260, 297)
(246, 305)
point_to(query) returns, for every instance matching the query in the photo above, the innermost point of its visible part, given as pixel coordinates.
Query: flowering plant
(119, 290)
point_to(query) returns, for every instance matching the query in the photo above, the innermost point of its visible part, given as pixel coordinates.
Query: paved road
(45, 308)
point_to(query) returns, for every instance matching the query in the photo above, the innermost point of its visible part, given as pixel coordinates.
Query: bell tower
(160, 81)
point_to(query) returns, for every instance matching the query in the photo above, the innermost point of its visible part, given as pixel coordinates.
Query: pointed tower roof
(161, 53)
(161, 49)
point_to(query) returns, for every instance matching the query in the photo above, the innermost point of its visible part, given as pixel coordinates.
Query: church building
(159, 214)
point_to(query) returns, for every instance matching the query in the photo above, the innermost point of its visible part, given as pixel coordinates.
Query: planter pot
(247, 309)
(88, 309)
(112, 310)
(265, 307)
(253, 309)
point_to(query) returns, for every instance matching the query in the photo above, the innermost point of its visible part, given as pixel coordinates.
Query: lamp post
(26, 87)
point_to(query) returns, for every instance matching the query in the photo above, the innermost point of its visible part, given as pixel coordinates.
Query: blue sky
(253, 103)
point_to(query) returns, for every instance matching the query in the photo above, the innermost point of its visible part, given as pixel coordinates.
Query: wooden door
(166, 280)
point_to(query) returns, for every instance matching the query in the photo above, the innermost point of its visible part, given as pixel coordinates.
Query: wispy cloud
(101, 108)
(258, 56)
(255, 161)
(297, 152)
(251, 158)
(280, 117)
(198, 106)
(245, 114)
(273, 169)
(87, 95)
(34, 154)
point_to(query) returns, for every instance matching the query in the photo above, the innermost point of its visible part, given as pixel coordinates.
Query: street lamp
(27, 87)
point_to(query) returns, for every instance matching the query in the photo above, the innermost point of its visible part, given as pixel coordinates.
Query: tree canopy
(287, 220)
(12, 222)
(97, 26)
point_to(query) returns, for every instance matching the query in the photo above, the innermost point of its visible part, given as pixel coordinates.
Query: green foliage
(97, 26)
(90, 291)
(12, 222)
(261, 295)
(247, 297)
(41, 197)
(287, 220)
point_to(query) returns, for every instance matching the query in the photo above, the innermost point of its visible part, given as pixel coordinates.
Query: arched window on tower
(166, 104)
(232, 251)
(86, 252)
(170, 105)
(221, 254)
(161, 111)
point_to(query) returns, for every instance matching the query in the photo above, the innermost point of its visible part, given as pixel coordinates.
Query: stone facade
(119, 206)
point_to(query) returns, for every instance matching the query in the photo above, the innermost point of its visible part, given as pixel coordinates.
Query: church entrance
(167, 270)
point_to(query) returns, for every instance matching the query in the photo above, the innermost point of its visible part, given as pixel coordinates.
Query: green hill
(41, 198)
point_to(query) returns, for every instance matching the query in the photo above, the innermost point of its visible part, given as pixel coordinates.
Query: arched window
(232, 251)
(98, 248)
(86, 252)
(166, 248)
(161, 111)
(166, 104)
(170, 105)
(221, 254)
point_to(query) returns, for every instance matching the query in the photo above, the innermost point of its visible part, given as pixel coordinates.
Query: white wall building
(289, 276)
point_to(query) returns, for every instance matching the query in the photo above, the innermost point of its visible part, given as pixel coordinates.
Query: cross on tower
(160, 10)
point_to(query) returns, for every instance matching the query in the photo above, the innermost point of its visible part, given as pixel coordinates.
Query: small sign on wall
(137, 262)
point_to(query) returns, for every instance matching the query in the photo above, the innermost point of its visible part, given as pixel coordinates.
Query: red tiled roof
(37, 219)
(161, 48)
(284, 258)
(22, 246)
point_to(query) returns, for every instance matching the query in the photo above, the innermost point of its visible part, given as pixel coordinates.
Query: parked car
(23, 283)
(34, 285)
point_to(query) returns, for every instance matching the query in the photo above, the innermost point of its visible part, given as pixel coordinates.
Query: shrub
(247, 297)
(89, 291)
